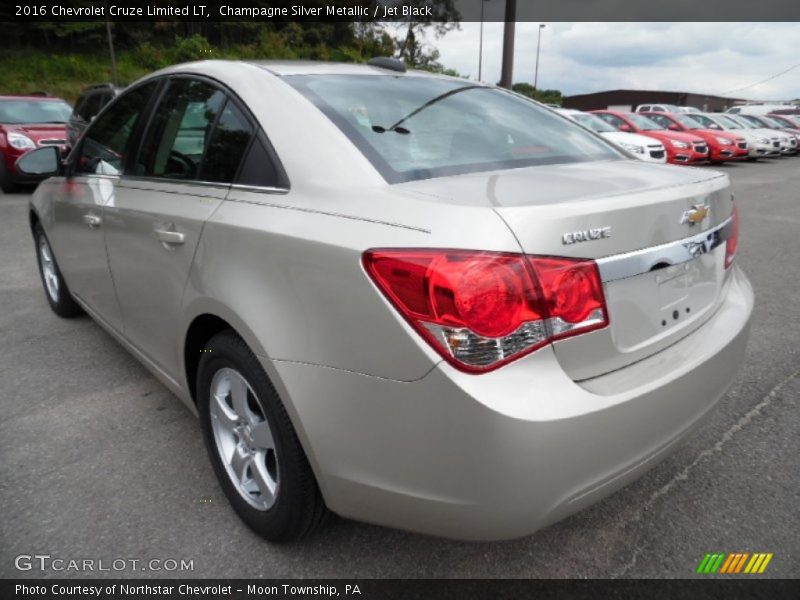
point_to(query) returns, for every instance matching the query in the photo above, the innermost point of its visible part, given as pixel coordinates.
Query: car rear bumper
(500, 455)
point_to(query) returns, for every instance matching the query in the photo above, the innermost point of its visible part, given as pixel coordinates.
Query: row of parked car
(33, 121)
(681, 135)
(654, 132)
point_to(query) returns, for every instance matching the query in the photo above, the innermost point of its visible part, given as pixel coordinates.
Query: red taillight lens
(733, 239)
(480, 310)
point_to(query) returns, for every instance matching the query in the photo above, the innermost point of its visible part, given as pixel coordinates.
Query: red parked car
(723, 145)
(682, 148)
(28, 122)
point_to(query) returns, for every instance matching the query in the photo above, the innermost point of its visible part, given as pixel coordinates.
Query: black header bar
(265, 11)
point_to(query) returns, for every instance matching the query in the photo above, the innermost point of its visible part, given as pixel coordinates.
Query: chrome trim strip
(259, 188)
(144, 179)
(630, 264)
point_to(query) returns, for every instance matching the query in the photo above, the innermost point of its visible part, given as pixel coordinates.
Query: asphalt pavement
(98, 461)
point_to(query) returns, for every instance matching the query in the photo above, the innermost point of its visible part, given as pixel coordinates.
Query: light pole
(538, 45)
(480, 45)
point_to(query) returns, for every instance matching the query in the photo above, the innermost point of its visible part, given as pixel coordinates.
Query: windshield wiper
(396, 127)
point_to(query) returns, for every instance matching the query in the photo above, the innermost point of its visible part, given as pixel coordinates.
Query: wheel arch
(209, 318)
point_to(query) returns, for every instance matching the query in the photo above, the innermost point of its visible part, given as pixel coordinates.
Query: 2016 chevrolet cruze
(409, 299)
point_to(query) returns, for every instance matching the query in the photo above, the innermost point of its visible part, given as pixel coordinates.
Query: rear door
(188, 157)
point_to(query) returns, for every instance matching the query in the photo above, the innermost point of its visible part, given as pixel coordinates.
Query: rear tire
(252, 444)
(55, 288)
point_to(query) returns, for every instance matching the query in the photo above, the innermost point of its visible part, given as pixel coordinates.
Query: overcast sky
(577, 58)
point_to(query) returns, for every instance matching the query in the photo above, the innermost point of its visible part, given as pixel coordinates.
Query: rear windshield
(413, 127)
(34, 111)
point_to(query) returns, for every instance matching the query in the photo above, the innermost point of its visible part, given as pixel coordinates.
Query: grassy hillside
(63, 75)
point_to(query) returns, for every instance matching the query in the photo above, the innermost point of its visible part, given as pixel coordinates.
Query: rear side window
(612, 119)
(414, 127)
(258, 168)
(228, 143)
(106, 142)
(80, 105)
(663, 121)
(104, 99)
(91, 107)
(180, 128)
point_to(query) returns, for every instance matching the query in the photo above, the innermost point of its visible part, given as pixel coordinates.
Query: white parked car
(758, 109)
(670, 108)
(780, 140)
(642, 147)
(759, 144)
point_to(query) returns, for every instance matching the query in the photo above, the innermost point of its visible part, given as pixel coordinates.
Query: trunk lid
(616, 213)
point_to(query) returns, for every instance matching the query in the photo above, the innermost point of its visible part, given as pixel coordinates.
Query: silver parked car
(409, 299)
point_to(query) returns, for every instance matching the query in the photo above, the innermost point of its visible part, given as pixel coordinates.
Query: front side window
(706, 122)
(646, 123)
(661, 120)
(688, 122)
(106, 142)
(412, 127)
(613, 120)
(729, 123)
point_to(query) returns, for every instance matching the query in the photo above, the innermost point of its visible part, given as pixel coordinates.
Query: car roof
(311, 67)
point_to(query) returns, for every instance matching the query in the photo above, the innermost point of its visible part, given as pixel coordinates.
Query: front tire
(55, 288)
(252, 444)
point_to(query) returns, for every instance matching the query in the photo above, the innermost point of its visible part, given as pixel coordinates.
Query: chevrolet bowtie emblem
(695, 215)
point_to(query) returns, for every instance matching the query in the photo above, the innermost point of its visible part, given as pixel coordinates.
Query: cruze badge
(696, 215)
(587, 235)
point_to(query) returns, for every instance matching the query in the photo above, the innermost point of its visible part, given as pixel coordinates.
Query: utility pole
(507, 72)
(480, 45)
(538, 46)
(114, 71)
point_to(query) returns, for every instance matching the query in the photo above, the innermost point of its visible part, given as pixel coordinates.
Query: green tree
(545, 96)
(411, 46)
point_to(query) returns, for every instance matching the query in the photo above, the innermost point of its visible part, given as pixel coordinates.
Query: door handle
(93, 221)
(168, 236)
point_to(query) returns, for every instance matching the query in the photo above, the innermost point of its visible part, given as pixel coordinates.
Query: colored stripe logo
(734, 562)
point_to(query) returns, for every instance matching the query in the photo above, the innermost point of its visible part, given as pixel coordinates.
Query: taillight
(733, 238)
(481, 310)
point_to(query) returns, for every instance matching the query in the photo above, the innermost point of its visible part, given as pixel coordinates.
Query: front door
(78, 236)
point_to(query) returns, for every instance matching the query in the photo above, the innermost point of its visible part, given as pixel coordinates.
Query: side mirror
(40, 163)
(625, 127)
(673, 127)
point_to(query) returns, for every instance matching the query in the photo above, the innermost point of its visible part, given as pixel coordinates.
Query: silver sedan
(407, 299)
